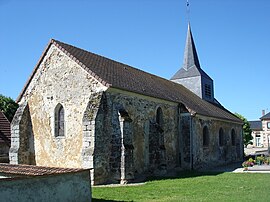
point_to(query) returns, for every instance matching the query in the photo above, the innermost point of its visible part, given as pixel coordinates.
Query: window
(233, 137)
(268, 125)
(59, 117)
(207, 91)
(159, 120)
(221, 137)
(159, 117)
(258, 141)
(205, 136)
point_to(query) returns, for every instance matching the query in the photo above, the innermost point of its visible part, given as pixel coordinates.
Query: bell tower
(191, 75)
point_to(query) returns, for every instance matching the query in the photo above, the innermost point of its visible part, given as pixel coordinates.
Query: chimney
(263, 112)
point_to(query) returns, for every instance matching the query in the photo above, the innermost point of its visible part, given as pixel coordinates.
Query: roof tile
(118, 75)
(32, 170)
(4, 129)
(122, 76)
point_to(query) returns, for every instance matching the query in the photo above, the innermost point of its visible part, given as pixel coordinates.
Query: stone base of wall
(73, 186)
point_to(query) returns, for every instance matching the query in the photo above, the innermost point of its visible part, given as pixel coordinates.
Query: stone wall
(57, 80)
(119, 135)
(214, 154)
(57, 187)
(4, 151)
(133, 143)
(96, 138)
(186, 133)
(22, 149)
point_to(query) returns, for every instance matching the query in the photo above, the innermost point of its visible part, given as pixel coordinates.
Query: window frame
(59, 121)
(206, 138)
(221, 137)
(268, 125)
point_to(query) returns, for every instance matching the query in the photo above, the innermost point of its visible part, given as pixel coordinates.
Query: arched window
(205, 136)
(221, 137)
(159, 117)
(233, 137)
(59, 117)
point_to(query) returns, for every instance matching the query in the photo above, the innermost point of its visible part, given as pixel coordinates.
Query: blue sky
(231, 36)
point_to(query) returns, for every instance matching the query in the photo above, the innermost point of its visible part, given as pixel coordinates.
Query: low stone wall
(57, 187)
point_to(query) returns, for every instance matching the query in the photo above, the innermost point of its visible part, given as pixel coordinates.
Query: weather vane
(188, 10)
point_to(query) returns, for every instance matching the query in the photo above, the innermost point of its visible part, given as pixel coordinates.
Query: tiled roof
(4, 129)
(31, 170)
(266, 116)
(118, 75)
(255, 125)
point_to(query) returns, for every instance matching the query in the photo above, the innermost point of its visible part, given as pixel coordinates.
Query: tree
(247, 137)
(8, 106)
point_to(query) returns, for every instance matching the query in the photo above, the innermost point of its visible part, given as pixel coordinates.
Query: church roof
(118, 75)
(191, 65)
(4, 129)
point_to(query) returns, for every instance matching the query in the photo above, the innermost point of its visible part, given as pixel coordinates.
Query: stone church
(82, 110)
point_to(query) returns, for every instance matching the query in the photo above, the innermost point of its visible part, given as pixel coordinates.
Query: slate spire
(191, 75)
(190, 55)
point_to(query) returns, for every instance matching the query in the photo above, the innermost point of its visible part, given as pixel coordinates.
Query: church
(82, 110)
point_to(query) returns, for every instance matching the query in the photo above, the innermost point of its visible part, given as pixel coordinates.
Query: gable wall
(59, 80)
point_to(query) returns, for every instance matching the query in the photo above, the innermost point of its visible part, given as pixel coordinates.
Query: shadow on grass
(104, 200)
(184, 174)
(198, 173)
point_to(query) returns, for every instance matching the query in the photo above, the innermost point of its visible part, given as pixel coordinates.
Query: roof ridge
(104, 57)
(122, 76)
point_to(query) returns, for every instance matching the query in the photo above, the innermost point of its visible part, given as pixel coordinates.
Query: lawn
(193, 187)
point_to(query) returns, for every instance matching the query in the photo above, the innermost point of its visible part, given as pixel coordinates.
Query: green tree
(8, 106)
(247, 137)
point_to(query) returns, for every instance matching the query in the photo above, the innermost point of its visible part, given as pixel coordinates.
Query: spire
(190, 55)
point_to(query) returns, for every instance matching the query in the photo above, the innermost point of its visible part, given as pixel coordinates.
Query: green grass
(193, 187)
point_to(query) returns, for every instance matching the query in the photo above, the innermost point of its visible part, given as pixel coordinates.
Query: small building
(35, 183)
(82, 110)
(261, 131)
(4, 138)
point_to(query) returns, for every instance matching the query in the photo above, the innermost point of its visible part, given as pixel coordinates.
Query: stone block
(87, 133)
(87, 139)
(86, 144)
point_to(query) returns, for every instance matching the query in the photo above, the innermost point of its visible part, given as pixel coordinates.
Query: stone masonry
(119, 134)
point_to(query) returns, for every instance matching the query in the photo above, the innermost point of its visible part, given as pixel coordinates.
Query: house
(39, 183)
(82, 110)
(4, 138)
(261, 131)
